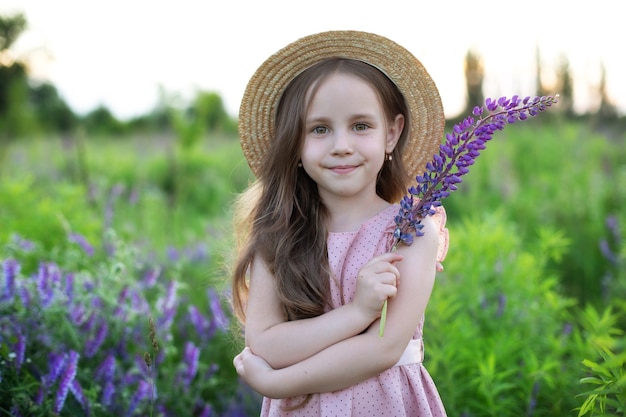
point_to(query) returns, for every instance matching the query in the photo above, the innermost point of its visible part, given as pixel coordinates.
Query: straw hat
(261, 97)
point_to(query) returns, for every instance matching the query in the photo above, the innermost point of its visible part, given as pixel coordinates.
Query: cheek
(312, 152)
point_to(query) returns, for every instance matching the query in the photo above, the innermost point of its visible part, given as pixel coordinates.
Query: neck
(346, 215)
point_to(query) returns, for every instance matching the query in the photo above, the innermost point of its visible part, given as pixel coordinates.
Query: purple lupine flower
(24, 295)
(151, 276)
(219, 318)
(78, 314)
(456, 155)
(120, 311)
(106, 370)
(190, 357)
(10, 270)
(143, 391)
(197, 253)
(93, 344)
(44, 285)
(78, 393)
(613, 225)
(68, 288)
(139, 303)
(532, 401)
(200, 323)
(66, 380)
(207, 411)
(213, 368)
(169, 301)
(23, 244)
(459, 151)
(607, 252)
(15, 412)
(20, 350)
(172, 254)
(107, 393)
(56, 364)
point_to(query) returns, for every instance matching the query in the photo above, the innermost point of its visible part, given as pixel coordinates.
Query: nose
(342, 145)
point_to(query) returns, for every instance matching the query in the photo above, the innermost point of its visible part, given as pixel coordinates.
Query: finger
(390, 257)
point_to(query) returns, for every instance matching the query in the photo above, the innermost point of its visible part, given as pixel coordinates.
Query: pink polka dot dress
(405, 390)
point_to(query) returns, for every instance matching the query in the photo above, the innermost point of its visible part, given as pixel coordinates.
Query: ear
(394, 131)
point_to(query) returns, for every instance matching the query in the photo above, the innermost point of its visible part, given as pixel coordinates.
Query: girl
(335, 126)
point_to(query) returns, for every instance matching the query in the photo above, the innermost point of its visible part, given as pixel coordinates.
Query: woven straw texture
(256, 113)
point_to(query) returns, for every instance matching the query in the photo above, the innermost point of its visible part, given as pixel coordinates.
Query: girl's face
(346, 138)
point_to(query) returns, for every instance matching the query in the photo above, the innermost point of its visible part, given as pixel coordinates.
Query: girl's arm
(362, 356)
(282, 343)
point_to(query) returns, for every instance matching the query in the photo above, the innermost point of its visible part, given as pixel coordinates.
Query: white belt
(414, 353)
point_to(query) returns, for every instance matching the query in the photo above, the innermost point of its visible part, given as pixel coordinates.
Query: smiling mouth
(344, 169)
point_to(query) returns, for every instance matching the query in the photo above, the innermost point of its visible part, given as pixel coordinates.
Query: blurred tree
(52, 111)
(101, 121)
(10, 29)
(565, 87)
(607, 110)
(542, 90)
(211, 107)
(474, 75)
(16, 116)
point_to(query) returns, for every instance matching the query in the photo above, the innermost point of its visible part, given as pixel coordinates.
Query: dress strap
(414, 353)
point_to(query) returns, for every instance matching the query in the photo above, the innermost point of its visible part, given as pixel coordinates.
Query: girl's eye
(320, 130)
(359, 127)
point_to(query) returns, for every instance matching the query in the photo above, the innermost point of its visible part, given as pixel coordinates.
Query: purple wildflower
(81, 241)
(20, 350)
(69, 287)
(93, 345)
(459, 151)
(78, 393)
(607, 252)
(219, 318)
(613, 225)
(56, 364)
(172, 254)
(106, 370)
(190, 357)
(139, 303)
(150, 277)
(142, 392)
(23, 244)
(44, 285)
(24, 295)
(207, 411)
(200, 323)
(78, 314)
(66, 380)
(107, 393)
(15, 412)
(10, 270)
(532, 401)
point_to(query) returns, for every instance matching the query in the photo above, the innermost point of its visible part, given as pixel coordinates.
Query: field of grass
(98, 235)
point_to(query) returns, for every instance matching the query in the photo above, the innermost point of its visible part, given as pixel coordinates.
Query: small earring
(300, 164)
(389, 157)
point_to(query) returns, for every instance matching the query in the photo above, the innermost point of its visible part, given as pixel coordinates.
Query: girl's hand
(377, 280)
(255, 371)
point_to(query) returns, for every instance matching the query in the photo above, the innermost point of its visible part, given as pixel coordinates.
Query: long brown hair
(281, 217)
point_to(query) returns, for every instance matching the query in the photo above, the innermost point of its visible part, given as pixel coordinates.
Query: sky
(121, 53)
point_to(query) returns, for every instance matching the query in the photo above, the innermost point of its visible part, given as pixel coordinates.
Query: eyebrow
(357, 116)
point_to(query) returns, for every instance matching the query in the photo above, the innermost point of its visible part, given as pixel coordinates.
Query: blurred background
(119, 161)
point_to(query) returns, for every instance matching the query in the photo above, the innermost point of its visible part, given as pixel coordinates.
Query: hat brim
(263, 92)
